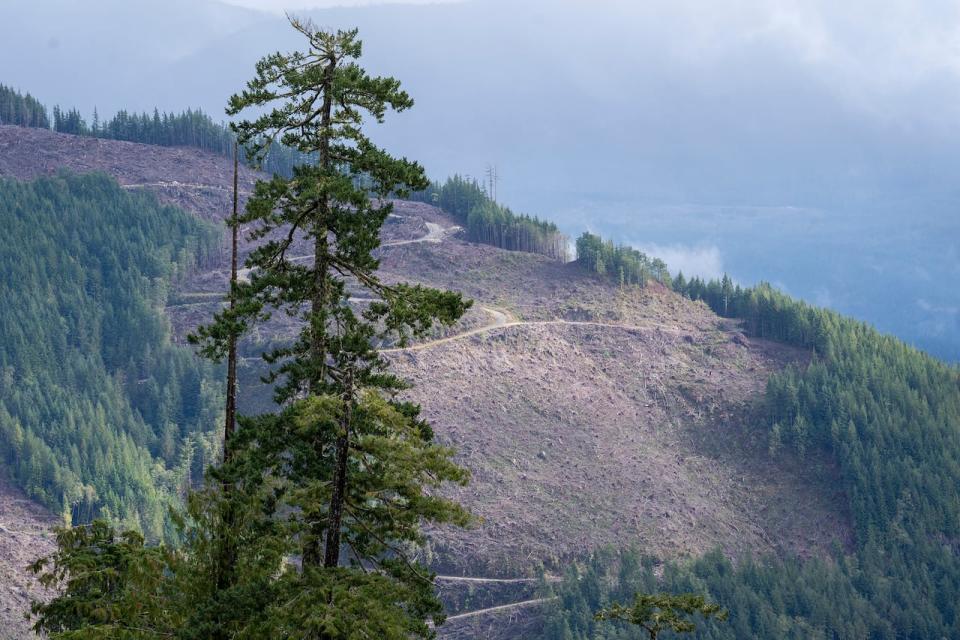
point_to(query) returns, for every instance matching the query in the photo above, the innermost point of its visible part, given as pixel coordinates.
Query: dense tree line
(488, 222)
(496, 225)
(69, 122)
(623, 264)
(21, 110)
(889, 416)
(768, 313)
(100, 416)
(769, 598)
(190, 128)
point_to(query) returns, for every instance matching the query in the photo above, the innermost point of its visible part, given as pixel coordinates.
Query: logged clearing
(609, 417)
(26, 533)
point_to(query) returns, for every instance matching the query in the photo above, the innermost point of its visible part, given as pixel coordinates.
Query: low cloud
(939, 320)
(703, 261)
(823, 298)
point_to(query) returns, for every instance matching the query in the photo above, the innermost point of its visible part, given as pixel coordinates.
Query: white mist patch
(703, 261)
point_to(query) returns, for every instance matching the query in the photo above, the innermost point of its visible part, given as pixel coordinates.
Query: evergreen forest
(489, 222)
(100, 415)
(300, 520)
(21, 110)
(622, 264)
(190, 128)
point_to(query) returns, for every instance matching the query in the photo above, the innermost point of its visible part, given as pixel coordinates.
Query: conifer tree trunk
(231, 410)
(228, 553)
(331, 556)
(318, 351)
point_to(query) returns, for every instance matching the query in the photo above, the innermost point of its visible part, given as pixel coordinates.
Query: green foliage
(348, 604)
(345, 474)
(496, 225)
(768, 313)
(21, 110)
(656, 613)
(490, 223)
(100, 415)
(393, 464)
(887, 413)
(772, 598)
(111, 586)
(624, 265)
(277, 473)
(69, 122)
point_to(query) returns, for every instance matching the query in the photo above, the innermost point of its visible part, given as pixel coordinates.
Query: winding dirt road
(495, 580)
(435, 234)
(502, 319)
(503, 607)
(499, 318)
(173, 184)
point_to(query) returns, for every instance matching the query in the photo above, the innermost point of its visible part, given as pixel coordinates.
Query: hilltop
(588, 414)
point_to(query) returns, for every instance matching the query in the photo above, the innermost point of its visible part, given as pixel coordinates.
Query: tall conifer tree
(307, 527)
(353, 464)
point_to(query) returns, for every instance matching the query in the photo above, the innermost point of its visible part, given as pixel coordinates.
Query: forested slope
(99, 413)
(190, 128)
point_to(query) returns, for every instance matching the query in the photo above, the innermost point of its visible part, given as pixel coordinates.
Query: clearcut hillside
(588, 414)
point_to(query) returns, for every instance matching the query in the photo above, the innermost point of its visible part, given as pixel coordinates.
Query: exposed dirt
(579, 436)
(466, 595)
(590, 415)
(522, 619)
(25, 535)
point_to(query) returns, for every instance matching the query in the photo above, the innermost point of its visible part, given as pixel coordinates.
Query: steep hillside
(99, 412)
(587, 414)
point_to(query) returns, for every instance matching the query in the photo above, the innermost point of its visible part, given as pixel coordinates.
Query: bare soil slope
(598, 416)
(25, 535)
(195, 180)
